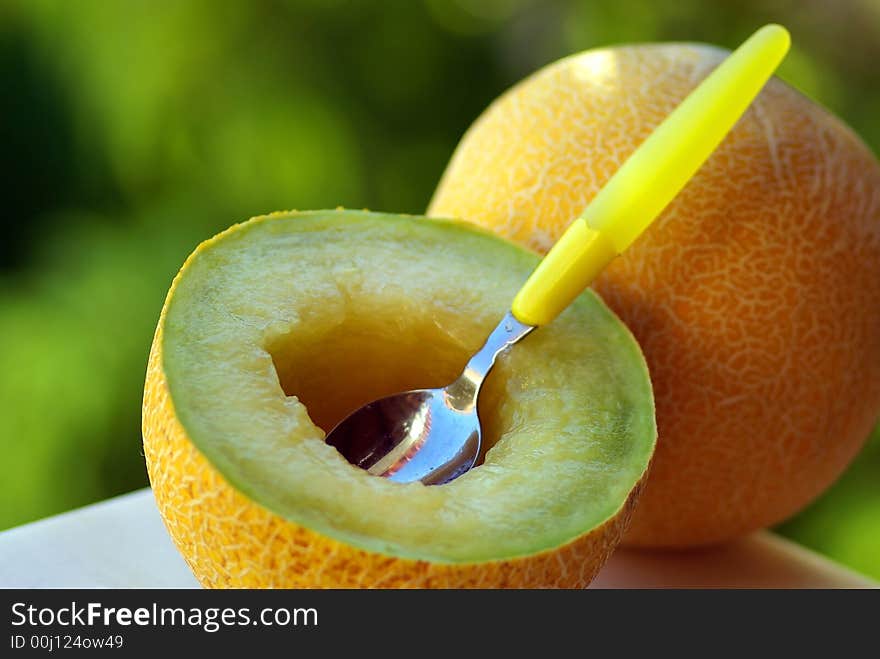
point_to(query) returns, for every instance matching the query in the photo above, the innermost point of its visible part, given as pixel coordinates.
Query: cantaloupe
(277, 328)
(755, 296)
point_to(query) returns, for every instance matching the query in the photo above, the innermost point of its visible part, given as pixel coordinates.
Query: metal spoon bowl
(390, 436)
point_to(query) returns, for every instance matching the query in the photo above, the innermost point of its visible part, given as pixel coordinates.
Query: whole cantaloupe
(755, 296)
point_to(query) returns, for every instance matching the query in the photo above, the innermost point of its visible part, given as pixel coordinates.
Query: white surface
(117, 543)
(122, 543)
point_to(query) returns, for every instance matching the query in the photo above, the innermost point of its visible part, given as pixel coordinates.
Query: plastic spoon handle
(650, 178)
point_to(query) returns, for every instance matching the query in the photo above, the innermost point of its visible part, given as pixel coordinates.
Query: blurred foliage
(132, 130)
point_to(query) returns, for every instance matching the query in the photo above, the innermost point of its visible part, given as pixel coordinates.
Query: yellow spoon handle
(650, 178)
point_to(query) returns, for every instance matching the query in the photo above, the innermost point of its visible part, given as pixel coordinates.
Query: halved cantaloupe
(278, 327)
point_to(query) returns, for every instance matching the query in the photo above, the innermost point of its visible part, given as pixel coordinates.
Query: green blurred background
(133, 129)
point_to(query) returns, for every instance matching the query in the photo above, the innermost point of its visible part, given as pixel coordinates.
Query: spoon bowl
(389, 437)
(427, 435)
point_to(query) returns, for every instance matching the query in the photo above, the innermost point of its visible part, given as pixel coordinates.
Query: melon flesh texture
(280, 327)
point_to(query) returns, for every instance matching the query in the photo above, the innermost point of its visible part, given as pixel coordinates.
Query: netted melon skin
(230, 541)
(753, 296)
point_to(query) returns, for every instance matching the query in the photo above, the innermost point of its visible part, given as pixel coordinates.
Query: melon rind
(207, 479)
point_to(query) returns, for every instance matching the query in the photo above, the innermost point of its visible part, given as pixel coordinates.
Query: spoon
(434, 435)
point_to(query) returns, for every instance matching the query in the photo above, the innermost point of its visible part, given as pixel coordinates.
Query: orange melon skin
(754, 296)
(230, 541)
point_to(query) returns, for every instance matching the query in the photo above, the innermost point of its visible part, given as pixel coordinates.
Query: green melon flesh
(281, 326)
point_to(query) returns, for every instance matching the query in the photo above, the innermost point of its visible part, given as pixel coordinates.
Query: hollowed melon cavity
(358, 361)
(280, 328)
